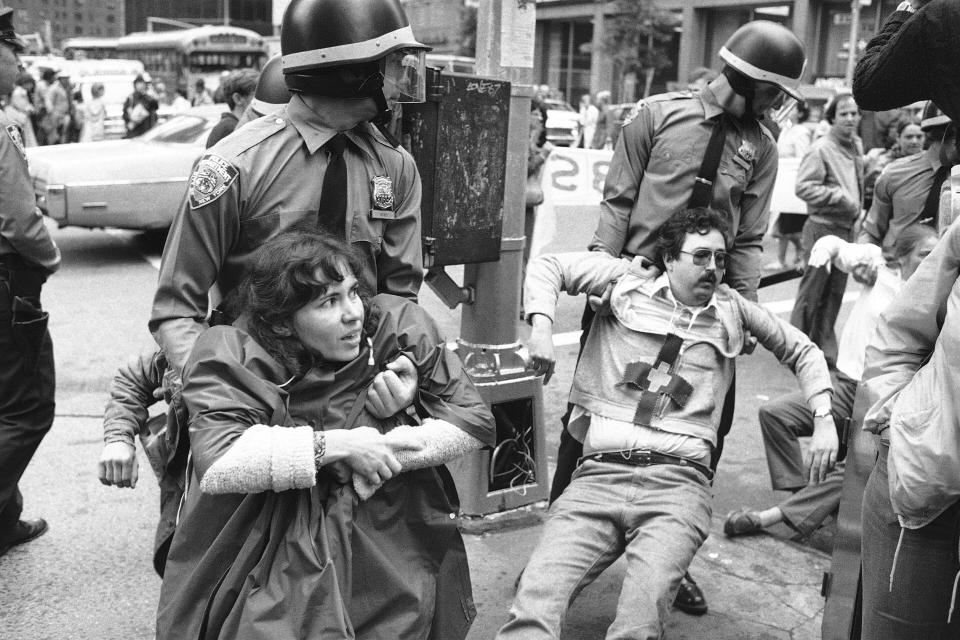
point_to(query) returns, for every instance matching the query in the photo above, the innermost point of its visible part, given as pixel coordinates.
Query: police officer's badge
(747, 150)
(210, 179)
(17, 136)
(382, 197)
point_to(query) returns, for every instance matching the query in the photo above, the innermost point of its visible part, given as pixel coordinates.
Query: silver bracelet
(319, 448)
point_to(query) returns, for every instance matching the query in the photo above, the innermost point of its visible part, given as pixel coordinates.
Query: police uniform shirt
(898, 199)
(654, 168)
(265, 179)
(22, 232)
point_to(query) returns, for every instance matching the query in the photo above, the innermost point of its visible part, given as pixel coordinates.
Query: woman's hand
(393, 389)
(118, 465)
(824, 446)
(365, 451)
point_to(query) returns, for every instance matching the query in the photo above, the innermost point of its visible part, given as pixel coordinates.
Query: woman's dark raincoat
(318, 563)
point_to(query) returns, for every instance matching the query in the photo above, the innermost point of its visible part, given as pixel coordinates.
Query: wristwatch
(822, 412)
(906, 6)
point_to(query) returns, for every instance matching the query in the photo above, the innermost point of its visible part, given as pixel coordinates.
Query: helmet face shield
(404, 76)
(780, 114)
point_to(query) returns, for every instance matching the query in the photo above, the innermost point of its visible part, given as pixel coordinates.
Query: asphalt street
(90, 576)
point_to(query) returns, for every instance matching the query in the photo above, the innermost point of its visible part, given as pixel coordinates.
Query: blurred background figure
(588, 121)
(58, 104)
(93, 115)
(238, 91)
(794, 142)
(601, 133)
(908, 189)
(201, 95)
(902, 138)
(139, 109)
(830, 181)
(20, 109)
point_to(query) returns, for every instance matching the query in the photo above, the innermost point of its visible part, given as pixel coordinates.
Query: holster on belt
(23, 279)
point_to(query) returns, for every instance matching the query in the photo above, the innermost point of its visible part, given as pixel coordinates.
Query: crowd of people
(52, 109)
(310, 413)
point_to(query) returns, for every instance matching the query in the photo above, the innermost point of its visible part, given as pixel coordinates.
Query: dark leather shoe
(690, 598)
(742, 522)
(24, 531)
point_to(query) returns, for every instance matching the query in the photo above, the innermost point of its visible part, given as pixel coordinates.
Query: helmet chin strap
(369, 87)
(745, 87)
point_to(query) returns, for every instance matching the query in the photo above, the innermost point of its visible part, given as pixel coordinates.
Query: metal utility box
(514, 473)
(458, 138)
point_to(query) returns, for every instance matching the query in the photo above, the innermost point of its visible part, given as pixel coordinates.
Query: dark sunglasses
(701, 257)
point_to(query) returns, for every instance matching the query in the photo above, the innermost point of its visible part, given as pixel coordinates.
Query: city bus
(180, 58)
(89, 48)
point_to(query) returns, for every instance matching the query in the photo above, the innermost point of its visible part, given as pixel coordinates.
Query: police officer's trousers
(26, 390)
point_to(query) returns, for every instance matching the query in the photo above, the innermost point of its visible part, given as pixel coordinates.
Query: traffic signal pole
(498, 487)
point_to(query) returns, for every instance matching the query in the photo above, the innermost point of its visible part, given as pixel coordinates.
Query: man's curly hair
(282, 278)
(674, 231)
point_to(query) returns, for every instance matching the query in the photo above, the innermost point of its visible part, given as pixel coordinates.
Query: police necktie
(333, 194)
(702, 195)
(931, 208)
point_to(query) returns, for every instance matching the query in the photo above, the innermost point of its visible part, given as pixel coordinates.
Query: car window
(182, 129)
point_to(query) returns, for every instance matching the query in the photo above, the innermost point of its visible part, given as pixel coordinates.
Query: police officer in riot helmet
(706, 148)
(271, 93)
(764, 62)
(27, 256)
(347, 63)
(361, 50)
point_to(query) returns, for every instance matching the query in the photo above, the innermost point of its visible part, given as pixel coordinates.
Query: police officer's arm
(891, 70)
(199, 241)
(623, 181)
(21, 224)
(400, 263)
(875, 226)
(743, 272)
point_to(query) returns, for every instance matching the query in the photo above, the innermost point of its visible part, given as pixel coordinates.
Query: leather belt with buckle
(646, 458)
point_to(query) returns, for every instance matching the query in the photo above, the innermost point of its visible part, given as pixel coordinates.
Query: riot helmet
(933, 117)
(764, 52)
(272, 92)
(353, 49)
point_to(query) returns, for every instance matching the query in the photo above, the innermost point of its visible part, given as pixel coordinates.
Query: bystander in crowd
(830, 181)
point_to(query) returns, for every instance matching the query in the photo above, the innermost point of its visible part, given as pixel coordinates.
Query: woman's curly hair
(674, 231)
(285, 274)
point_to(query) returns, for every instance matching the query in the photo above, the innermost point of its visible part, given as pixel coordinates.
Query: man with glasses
(706, 148)
(27, 256)
(647, 397)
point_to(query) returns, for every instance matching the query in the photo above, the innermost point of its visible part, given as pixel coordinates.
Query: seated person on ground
(784, 420)
(304, 516)
(648, 392)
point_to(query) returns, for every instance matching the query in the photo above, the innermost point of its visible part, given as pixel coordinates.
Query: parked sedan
(128, 184)
(563, 123)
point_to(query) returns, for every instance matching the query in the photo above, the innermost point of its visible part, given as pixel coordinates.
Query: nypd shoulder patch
(210, 179)
(17, 137)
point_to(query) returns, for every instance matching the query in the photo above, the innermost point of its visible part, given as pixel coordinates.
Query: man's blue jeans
(657, 515)
(914, 605)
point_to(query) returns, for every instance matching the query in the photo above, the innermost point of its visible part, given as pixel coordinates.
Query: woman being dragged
(305, 516)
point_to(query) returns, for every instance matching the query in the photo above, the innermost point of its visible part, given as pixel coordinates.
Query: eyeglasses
(701, 257)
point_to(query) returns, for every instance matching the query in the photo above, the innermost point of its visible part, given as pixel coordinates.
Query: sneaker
(742, 522)
(689, 598)
(24, 531)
